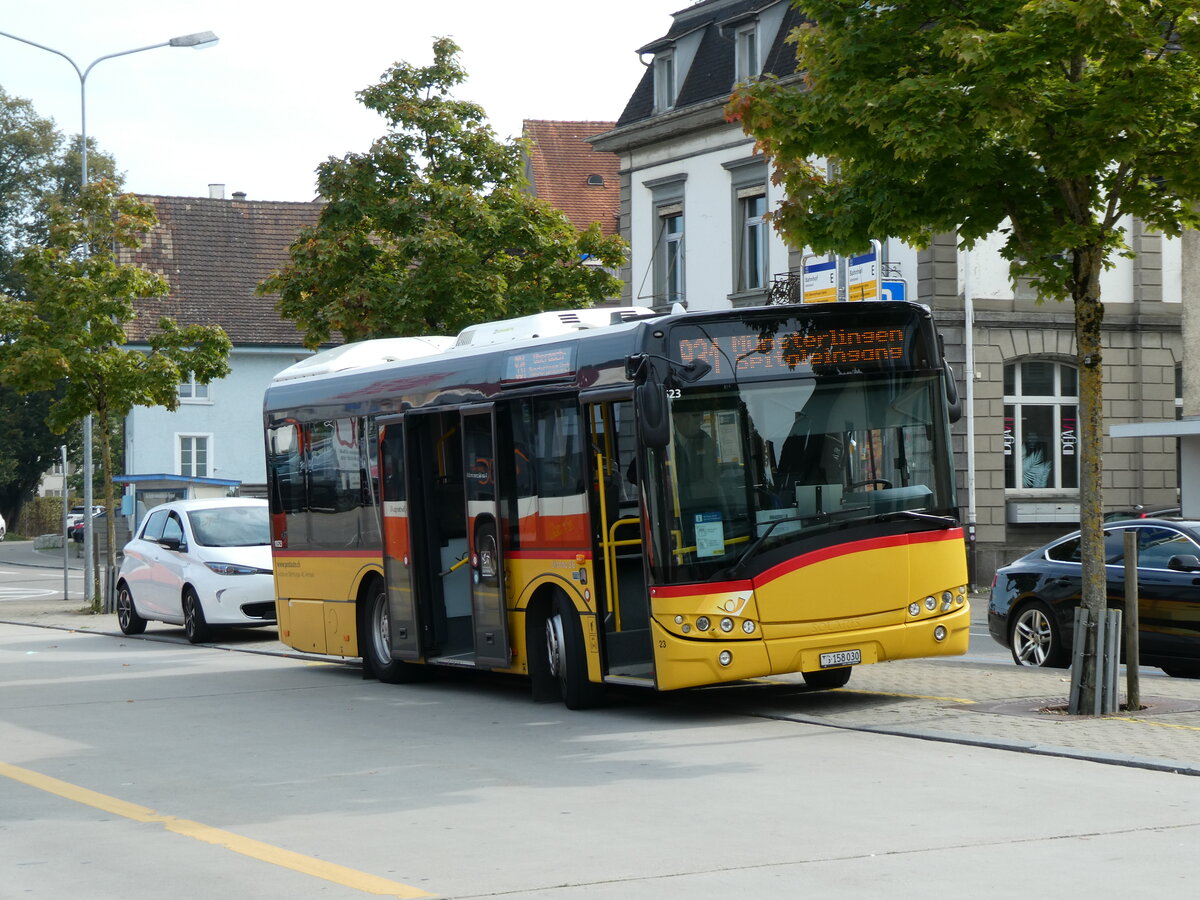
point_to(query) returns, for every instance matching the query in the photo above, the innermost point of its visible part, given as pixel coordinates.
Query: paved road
(138, 769)
(980, 699)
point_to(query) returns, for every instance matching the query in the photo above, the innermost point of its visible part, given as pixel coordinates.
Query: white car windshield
(231, 526)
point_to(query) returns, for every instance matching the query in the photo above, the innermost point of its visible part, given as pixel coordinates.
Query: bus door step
(462, 660)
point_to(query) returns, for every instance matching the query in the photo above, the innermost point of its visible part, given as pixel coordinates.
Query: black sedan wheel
(1036, 639)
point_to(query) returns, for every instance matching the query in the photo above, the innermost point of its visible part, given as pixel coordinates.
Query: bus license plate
(841, 658)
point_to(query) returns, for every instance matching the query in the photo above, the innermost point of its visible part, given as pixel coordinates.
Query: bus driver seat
(812, 466)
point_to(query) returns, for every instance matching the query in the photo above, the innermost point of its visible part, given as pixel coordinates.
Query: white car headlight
(223, 568)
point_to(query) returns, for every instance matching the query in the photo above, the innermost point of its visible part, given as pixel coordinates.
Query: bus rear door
(397, 542)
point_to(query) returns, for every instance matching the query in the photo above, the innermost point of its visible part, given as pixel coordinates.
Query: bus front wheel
(567, 659)
(378, 649)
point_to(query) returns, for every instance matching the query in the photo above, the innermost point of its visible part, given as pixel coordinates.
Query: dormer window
(746, 64)
(664, 81)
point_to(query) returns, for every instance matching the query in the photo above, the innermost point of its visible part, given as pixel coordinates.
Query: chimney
(216, 192)
(239, 195)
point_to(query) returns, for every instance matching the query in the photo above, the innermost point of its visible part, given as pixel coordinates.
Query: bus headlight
(703, 624)
(930, 604)
(914, 608)
(748, 627)
(725, 657)
(939, 633)
(727, 624)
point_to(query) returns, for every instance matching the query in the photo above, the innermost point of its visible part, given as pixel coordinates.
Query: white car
(199, 564)
(3, 528)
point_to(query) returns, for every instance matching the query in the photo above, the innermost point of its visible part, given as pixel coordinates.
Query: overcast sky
(261, 109)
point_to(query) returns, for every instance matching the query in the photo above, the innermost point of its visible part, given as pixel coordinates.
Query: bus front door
(398, 555)
(489, 615)
(619, 550)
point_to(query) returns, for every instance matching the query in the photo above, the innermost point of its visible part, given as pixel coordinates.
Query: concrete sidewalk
(947, 700)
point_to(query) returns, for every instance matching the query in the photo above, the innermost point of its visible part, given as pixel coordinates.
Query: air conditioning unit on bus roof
(548, 324)
(361, 354)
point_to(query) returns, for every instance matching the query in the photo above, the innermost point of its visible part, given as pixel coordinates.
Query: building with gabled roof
(567, 172)
(214, 252)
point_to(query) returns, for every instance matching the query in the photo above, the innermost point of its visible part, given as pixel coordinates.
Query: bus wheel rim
(554, 644)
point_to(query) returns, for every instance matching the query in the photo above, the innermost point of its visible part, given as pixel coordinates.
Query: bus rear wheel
(378, 634)
(827, 679)
(567, 659)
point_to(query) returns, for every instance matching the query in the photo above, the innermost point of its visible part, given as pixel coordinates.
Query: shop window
(1041, 426)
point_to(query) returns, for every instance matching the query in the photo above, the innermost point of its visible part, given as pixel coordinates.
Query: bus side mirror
(651, 398)
(954, 404)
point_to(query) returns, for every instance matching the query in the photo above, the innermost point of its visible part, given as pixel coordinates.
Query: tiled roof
(214, 253)
(565, 171)
(710, 75)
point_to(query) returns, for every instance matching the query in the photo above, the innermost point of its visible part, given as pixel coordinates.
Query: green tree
(27, 446)
(71, 329)
(433, 228)
(1048, 121)
(37, 166)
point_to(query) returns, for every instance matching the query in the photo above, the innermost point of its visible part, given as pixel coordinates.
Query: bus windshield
(767, 463)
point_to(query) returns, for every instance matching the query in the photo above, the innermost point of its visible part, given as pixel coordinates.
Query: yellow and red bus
(667, 500)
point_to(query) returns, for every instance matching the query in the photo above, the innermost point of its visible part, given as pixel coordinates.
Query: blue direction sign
(893, 290)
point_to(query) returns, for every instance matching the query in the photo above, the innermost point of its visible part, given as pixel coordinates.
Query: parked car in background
(200, 564)
(99, 521)
(3, 528)
(1142, 512)
(1033, 600)
(75, 515)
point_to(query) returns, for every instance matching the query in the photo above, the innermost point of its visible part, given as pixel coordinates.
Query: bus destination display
(539, 365)
(750, 351)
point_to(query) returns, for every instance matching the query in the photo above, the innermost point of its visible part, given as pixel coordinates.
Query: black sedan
(1033, 600)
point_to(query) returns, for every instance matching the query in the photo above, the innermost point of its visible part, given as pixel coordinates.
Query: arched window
(1041, 426)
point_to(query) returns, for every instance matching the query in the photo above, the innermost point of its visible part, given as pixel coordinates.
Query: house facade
(692, 196)
(214, 252)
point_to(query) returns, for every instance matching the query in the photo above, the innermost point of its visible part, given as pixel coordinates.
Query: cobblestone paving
(1010, 706)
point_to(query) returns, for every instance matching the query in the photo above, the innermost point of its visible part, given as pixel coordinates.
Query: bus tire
(827, 679)
(568, 658)
(377, 649)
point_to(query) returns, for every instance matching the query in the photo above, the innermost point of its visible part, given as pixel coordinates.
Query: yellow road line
(906, 696)
(1151, 722)
(306, 865)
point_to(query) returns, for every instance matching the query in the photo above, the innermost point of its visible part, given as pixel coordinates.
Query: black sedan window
(1067, 551)
(1156, 546)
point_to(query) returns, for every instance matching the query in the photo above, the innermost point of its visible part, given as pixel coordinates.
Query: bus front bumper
(681, 663)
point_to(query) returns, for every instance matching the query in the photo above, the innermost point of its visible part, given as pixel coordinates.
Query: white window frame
(190, 391)
(669, 273)
(193, 437)
(752, 243)
(664, 81)
(746, 54)
(1060, 445)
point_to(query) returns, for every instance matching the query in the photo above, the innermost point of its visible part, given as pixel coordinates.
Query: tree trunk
(106, 463)
(1088, 316)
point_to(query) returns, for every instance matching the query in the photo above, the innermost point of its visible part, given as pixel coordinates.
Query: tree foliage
(70, 331)
(37, 166)
(432, 229)
(1048, 121)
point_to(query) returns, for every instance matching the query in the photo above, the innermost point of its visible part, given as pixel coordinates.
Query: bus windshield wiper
(747, 554)
(944, 521)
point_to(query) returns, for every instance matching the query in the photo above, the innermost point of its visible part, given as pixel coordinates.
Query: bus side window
(286, 480)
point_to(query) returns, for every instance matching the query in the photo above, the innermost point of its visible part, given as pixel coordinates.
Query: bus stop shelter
(143, 492)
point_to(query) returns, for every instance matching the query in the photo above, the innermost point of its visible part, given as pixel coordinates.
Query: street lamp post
(198, 40)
